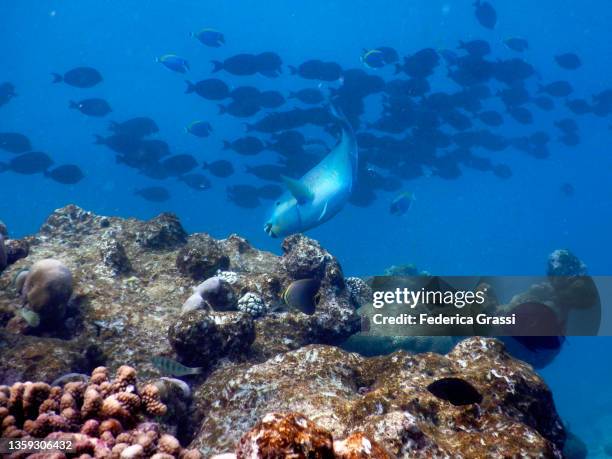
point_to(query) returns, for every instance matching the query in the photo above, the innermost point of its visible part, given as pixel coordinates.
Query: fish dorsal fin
(298, 189)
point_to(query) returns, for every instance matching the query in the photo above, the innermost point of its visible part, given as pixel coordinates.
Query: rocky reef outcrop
(272, 377)
(387, 399)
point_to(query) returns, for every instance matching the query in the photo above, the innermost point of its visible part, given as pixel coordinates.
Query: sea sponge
(47, 288)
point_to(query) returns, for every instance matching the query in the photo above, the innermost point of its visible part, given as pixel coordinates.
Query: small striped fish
(172, 367)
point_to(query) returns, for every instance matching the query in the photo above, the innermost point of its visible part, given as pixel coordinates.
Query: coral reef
(387, 399)
(201, 257)
(133, 298)
(104, 417)
(47, 288)
(562, 262)
(252, 304)
(200, 338)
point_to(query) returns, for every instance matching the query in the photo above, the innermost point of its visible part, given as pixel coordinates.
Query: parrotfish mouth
(268, 230)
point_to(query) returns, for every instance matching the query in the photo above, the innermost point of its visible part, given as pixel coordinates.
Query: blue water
(476, 224)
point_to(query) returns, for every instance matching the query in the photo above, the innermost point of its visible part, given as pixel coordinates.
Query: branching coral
(104, 417)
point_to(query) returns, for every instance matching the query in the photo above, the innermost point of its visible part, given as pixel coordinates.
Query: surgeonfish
(302, 295)
(172, 367)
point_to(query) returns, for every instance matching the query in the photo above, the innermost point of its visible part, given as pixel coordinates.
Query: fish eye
(278, 203)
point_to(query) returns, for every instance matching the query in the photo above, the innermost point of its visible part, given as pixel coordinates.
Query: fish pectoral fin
(298, 189)
(323, 212)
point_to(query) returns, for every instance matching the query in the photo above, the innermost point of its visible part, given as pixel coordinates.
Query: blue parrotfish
(322, 192)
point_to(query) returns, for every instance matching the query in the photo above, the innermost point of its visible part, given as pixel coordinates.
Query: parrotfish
(322, 192)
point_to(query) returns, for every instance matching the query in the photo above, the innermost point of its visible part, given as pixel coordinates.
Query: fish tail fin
(73, 104)
(190, 87)
(217, 65)
(197, 370)
(99, 140)
(57, 78)
(292, 70)
(226, 144)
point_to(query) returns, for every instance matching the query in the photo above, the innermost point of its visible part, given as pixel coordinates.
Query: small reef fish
(174, 63)
(455, 390)
(401, 204)
(31, 317)
(302, 295)
(70, 377)
(172, 367)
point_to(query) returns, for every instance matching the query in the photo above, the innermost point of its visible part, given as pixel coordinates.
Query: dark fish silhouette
(568, 61)
(220, 168)
(153, 194)
(485, 14)
(211, 89)
(179, 164)
(92, 107)
(80, 77)
(245, 196)
(34, 162)
(198, 182)
(318, 70)
(240, 65)
(516, 44)
(67, 174)
(209, 37)
(140, 126)
(7, 92)
(248, 145)
(457, 391)
(557, 89)
(308, 96)
(14, 142)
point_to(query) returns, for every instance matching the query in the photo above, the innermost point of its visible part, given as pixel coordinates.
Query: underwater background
(471, 224)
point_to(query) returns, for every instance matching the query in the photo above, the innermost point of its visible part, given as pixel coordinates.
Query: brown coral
(99, 375)
(92, 403)
(169, 445)
(358, 446)
(286, 435)
(95, 415)
(151, 401)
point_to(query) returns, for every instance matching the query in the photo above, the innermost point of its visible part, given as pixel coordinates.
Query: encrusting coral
(105, 418)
